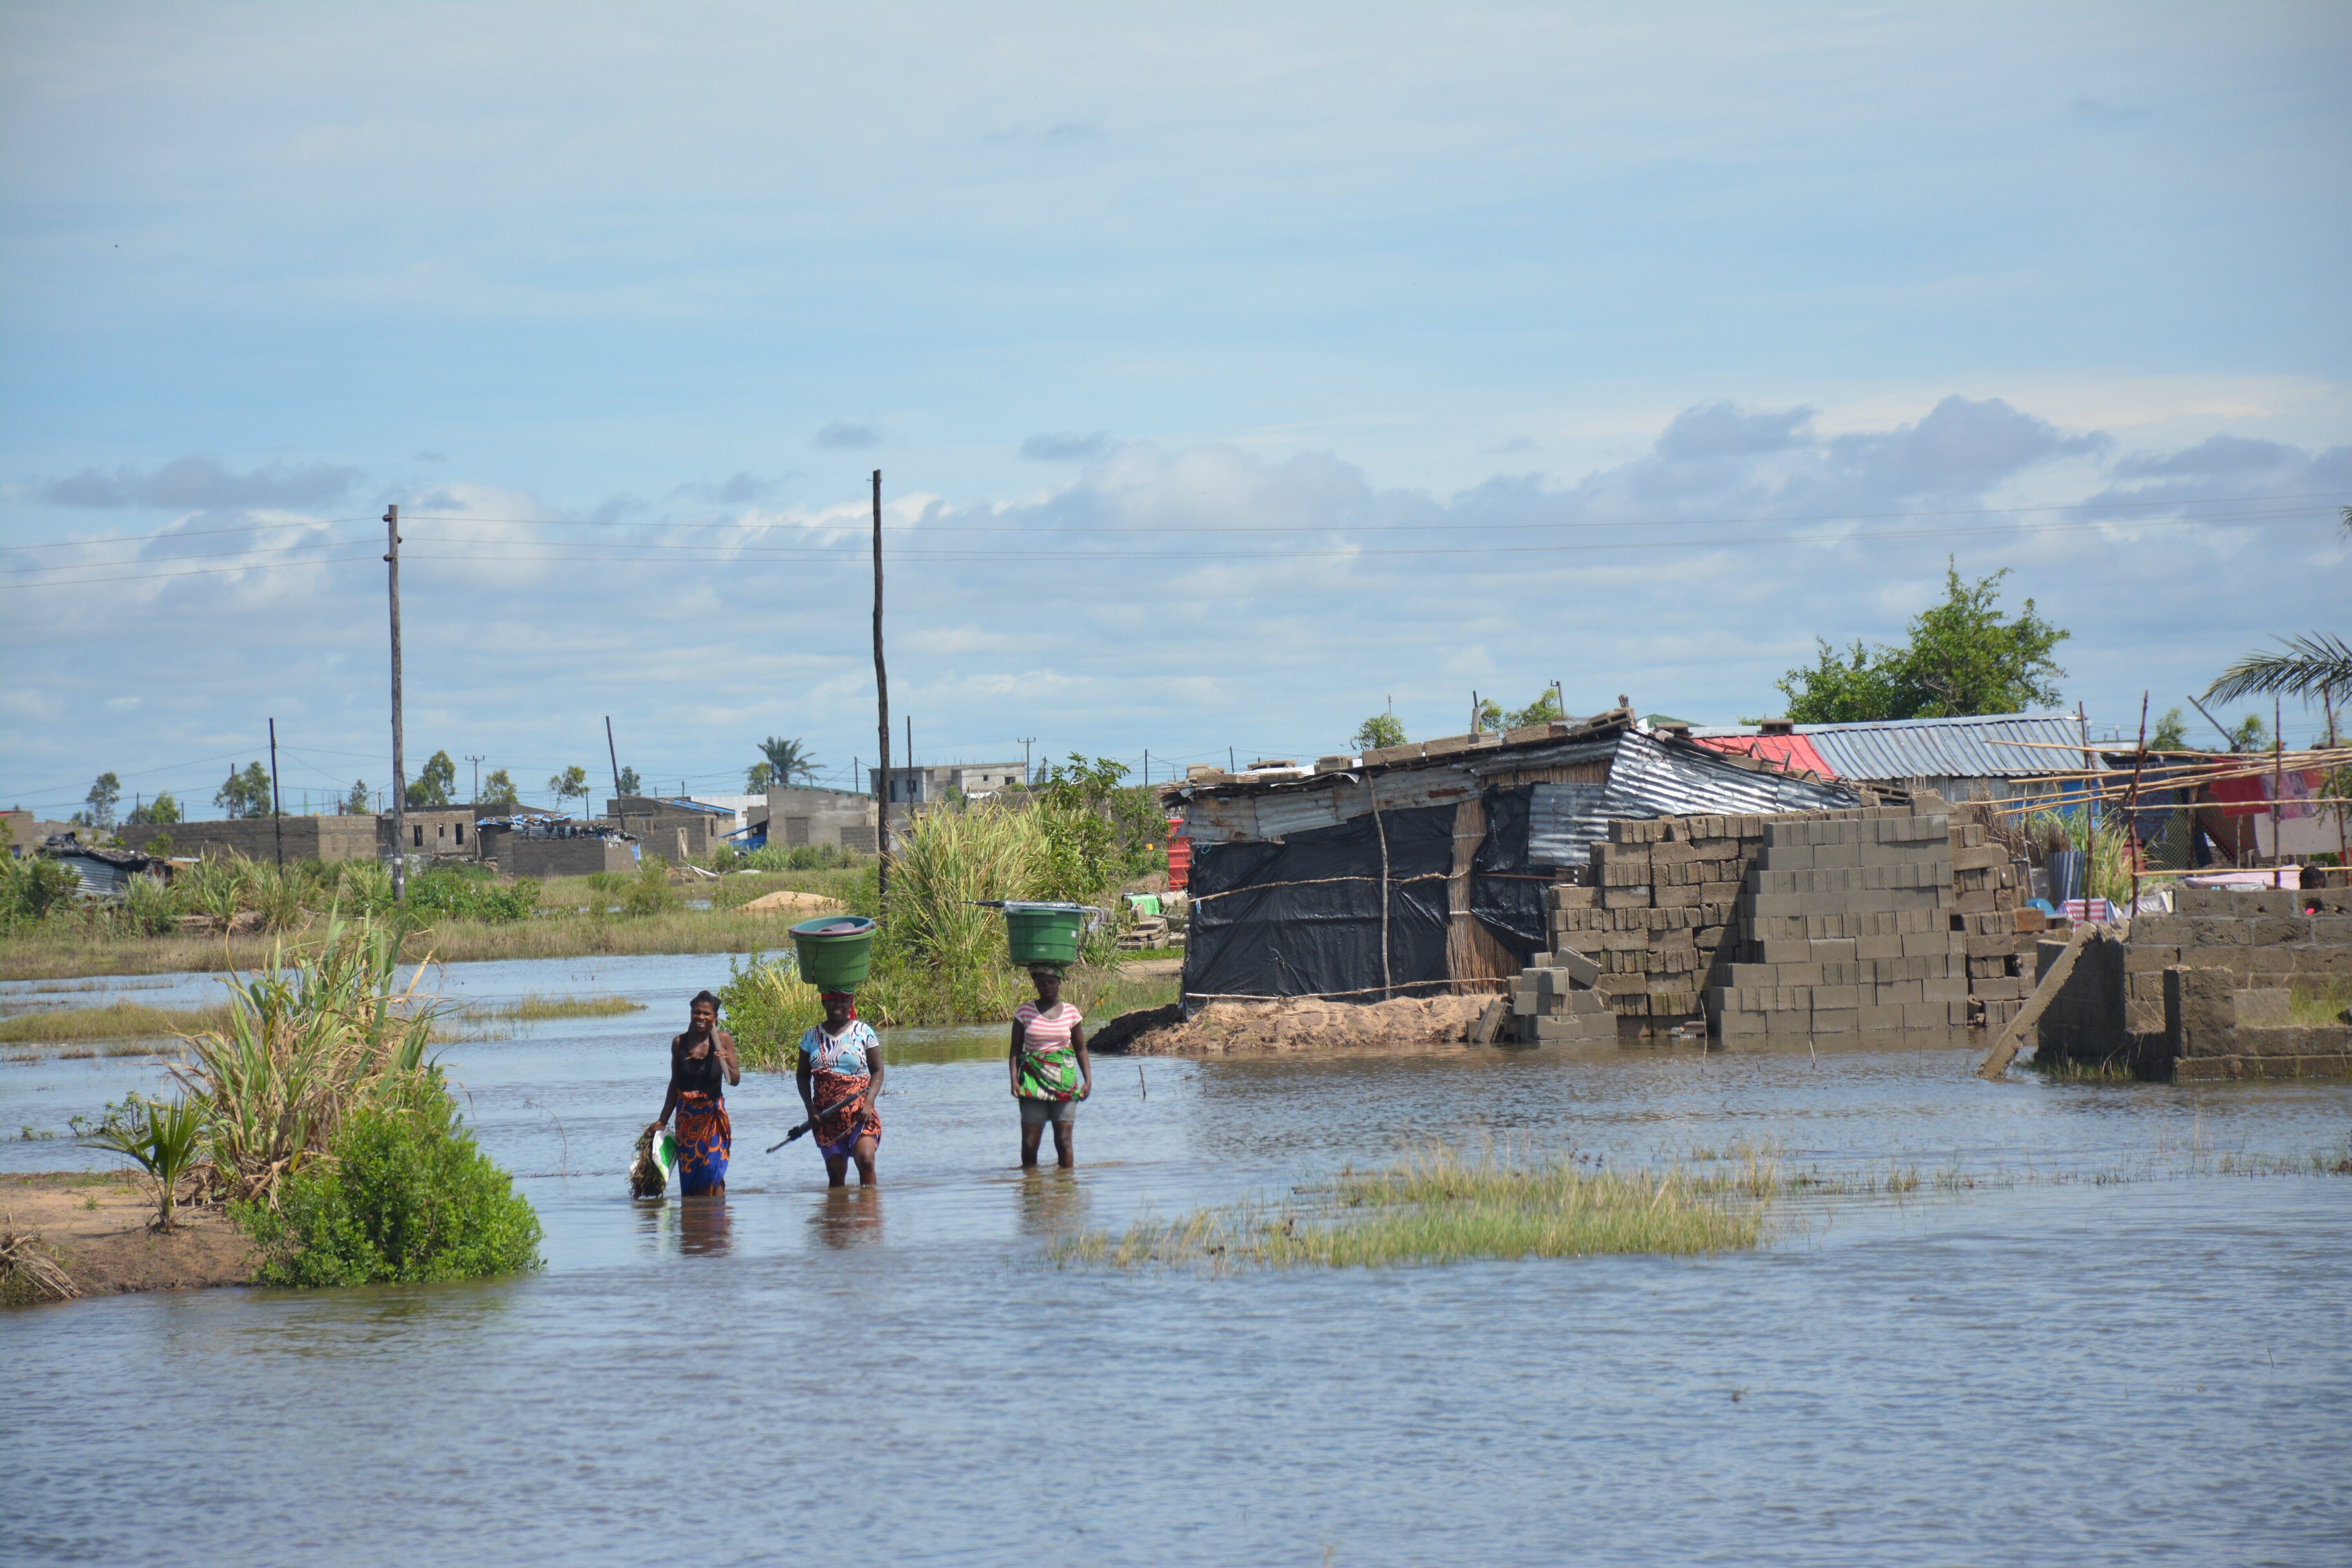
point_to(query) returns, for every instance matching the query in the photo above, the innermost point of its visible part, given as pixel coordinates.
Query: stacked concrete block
(1988, 910)
(1553, 1003)
(2238, 954)
(1847, 927)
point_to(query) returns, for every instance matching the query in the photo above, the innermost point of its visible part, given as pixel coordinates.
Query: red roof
(1793, 753)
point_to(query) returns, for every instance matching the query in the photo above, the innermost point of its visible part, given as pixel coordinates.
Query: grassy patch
(2320, 1004)
(498, 1022)
(1433, 1208)
(115, 1021)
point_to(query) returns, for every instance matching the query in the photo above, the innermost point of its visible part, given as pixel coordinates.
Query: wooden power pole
(399, 763)
(277, 818)
(613, 753)
(881, 706)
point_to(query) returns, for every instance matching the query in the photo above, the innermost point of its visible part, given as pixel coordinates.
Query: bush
(799, 857)
(405, 1197)
(768, 1007)
(32, 888)
(455, 894)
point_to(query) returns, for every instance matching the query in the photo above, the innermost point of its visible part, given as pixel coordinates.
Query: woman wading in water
(1050, 1071)
(840, 1076)
(701, 1063)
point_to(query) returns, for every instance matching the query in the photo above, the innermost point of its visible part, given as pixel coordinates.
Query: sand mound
(1223, 1028)
(789, 902)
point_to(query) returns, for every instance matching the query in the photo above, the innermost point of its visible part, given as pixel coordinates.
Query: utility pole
(399, 763)
(1147, 767)
(277, 818)
(1026, 776)
(613, 753)
(881, 708)
(911, 774)
(478, 758)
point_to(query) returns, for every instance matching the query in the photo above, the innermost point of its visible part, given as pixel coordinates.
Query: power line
(727, 553)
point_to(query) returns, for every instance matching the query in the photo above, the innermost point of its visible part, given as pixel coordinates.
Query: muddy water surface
(2072, 1342)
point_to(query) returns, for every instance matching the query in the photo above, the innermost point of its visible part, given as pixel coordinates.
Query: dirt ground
(1223, 1028)
(108, 1247)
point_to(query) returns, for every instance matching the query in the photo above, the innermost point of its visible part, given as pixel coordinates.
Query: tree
(498, 789)
(356, 802)
(2171, 732)
(1963, 657)
(2319, 665)
(1378, 732)
(573, 781)
(760, 777)
(790, 759)
(2249, 734)
(1542, 711)
(159, 812)
(432, 787)
(630, 783)
(103, 798)
(245, 793)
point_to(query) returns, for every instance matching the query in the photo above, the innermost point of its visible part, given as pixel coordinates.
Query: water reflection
(848, 1216)
(1053, 1201)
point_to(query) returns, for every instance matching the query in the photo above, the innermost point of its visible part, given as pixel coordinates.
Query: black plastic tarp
(1507, 894)
(1302, 917)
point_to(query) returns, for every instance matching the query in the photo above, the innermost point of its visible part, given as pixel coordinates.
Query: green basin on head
(834, 951)
(1045, 933)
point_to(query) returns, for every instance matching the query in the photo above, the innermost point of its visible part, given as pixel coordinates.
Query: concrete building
(540, 847)
(676, 828)
(928, 785)
(27, 833)
(803, 815)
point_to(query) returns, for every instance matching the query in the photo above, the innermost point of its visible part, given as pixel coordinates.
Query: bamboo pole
(2132, 811)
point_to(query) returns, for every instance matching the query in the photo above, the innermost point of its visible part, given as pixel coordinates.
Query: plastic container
(834, 951)
(1045, 933)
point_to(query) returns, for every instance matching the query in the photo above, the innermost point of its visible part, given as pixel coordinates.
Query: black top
(703, 1075)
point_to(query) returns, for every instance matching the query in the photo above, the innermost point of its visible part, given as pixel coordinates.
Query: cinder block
(1841, 1021)
(1944, 990)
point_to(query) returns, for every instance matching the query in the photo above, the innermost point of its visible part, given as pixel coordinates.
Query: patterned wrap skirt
(705, 1138)
(837, 1135)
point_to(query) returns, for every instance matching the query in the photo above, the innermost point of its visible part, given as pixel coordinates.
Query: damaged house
(1425, 867)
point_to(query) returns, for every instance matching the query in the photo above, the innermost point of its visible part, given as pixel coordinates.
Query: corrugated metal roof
(1658, 778)
(1951, 748)
(1792, 753)
(1272, 816)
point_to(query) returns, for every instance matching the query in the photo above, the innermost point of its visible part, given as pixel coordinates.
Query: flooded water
(2072, 1342)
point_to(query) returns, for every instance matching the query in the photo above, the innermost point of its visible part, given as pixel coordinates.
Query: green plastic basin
(834, 951)
(1045, 933)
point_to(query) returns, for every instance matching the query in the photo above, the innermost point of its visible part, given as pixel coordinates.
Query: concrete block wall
(1848, 928)
(2215, 1027)
(539, 858)
(326, 838)
(2202, 991)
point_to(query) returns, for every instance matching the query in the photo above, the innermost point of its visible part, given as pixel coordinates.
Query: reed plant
(768, 1007)
(2108, 872)
(318, 1032)
(115, 1021)
(165, 1139)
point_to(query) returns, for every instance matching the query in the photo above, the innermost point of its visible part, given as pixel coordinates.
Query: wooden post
(399, 763)
(2278, 788)
(2090, 812)
(2131, 812)
(1388, 984)
(2343, 848)
(277, 820)
(614, 753)
(881, 707)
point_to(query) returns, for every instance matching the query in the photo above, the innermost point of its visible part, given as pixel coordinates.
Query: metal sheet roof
(1658, 778)
(1952, 747)
(1793, 753)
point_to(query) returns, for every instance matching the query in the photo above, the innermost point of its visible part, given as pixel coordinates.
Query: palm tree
(790, 759)
(2314, 665)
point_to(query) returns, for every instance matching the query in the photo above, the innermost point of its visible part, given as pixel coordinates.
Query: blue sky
(1234, 372)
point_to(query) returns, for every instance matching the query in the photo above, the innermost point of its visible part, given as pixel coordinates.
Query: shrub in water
(406, 1196)
(768, 1007)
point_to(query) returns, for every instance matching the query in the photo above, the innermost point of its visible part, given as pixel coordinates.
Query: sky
(1234, 372)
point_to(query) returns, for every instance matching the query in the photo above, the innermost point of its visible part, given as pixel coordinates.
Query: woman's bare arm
(725, 1045)
(1085, 1062)
(1012, 1057)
